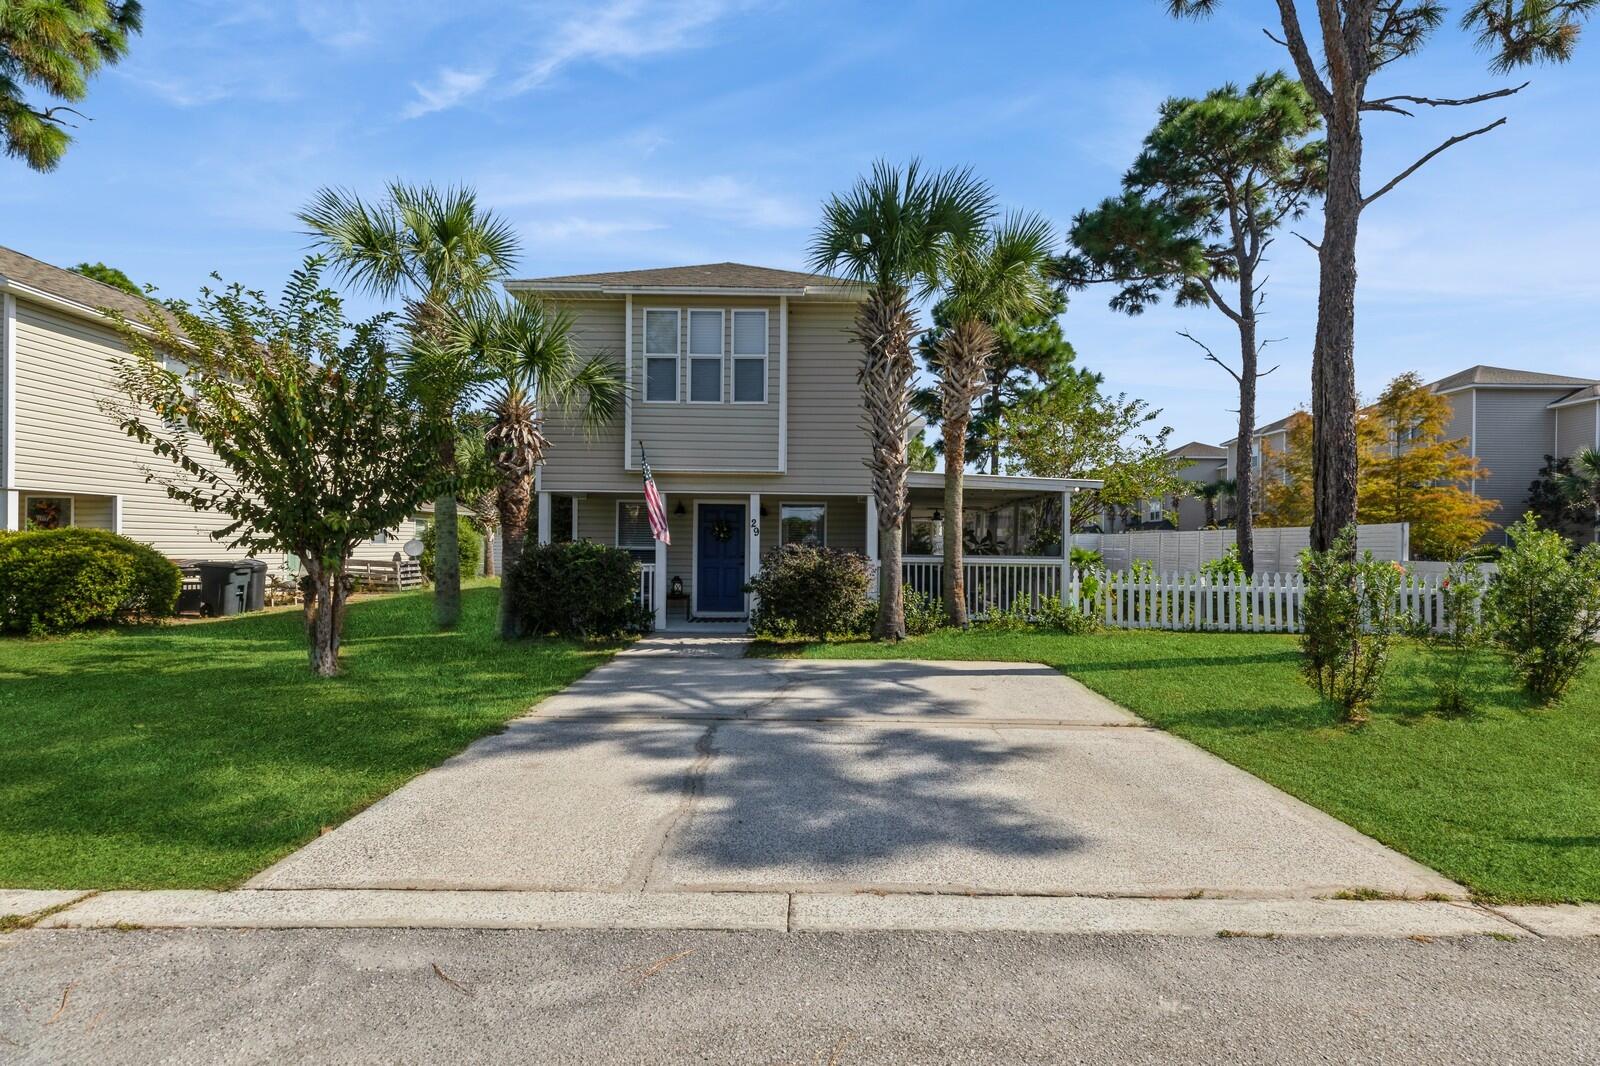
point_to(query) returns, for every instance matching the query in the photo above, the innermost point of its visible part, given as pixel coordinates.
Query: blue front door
(719, 568)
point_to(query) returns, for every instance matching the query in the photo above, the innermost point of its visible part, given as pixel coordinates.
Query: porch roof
(934, 479)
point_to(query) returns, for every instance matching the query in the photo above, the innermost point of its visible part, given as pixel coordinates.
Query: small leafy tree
(1545, 607)
(109, 275)
(55, 46)
(1199, 210)
(1070, 433)
(285, 418)
(1286, 475)
(1458, 643)
(1351, 617)
(1410, 472)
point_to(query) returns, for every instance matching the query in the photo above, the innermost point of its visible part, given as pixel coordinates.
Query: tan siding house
(741, 388)
(63, 461)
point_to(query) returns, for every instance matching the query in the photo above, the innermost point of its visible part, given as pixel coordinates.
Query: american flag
(653, 502)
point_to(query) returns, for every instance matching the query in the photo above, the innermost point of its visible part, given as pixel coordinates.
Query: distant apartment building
(1508, 419)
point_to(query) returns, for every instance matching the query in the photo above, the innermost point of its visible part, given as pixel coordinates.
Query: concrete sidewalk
(683, 767)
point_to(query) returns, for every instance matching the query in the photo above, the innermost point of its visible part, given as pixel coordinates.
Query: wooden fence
(386, 574)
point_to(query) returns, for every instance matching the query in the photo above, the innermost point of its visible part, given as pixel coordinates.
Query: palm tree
(995, 280)
(1583, 484)
(1228, 492)
(436, 249)
(530, 365)
(1212, 492)
(890, 232)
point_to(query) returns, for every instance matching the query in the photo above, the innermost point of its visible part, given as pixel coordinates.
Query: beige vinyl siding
(579, 460)
(67, 446)
(1191, 510)
(828, 448)
(707, 437)
(1515, 430)
(1575, 428)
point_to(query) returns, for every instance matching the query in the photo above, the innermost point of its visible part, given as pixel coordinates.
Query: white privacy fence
(1277, 549)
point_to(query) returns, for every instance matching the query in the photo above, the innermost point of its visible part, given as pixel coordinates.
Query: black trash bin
(224, 586)
(191, 595)
(256, 598)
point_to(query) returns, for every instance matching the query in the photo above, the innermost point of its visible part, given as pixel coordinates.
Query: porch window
(46, 512)
(749, 357)
(660, 355)
(705, 356)
(633, 530)
(1026, 528)
(563, 519)
(804, 523)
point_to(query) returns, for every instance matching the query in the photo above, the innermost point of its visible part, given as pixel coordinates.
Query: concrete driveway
(682, 766)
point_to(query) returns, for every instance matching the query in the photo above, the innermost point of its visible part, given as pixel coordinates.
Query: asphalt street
(220, 996)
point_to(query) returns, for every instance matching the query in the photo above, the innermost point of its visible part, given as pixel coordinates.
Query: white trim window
(633, 528)
(750, 356)
(705, 355)
(803, 523)
(47, 512)
(661, 342)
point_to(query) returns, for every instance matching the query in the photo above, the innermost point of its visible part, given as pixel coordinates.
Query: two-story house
(741, 390)
(63, 461)
(1509, 419)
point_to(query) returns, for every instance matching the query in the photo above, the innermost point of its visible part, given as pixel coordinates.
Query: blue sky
(636, 133)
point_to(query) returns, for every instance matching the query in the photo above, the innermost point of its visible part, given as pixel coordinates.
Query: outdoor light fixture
(677, 586)
(679, 509)
(938, 516)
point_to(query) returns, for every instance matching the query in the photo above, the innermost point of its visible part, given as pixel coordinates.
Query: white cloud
(622, 29)
(573, 228)
(719, 197)
(450, 88)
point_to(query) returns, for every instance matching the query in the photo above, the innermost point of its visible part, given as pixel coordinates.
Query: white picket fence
(1147, 599)
(1267, 603)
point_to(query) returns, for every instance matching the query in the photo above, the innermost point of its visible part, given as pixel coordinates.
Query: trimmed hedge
(56, 580)
(811, 592)
(580, 589)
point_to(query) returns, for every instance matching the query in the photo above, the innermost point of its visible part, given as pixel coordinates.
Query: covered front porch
(1014, 530)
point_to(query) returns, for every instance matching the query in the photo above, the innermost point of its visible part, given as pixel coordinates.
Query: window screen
(749, 380)
(660, 332)
(705, 380)
(633, 527)
(661, 379)
(705, 332)
(804, 523)
(749, 333)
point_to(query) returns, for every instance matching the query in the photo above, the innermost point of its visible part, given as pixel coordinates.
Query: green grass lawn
(1507, 803)
(194, 755)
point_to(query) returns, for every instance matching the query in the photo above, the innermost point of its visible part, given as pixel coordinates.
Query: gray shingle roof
(1581, 396)
(1498, 375)
(711, 276)
(65, 285)
(1198, 450)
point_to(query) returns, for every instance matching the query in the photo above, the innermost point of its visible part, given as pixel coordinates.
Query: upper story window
(705, 356)
(749, 357)
(661, 355)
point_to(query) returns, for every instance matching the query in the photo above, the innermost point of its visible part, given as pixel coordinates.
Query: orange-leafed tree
(1285, 497)
(1412, 472)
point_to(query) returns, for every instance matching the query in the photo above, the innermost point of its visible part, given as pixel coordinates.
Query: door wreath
(722, 530)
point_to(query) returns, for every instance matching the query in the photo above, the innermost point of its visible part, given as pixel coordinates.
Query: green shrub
(1062, 617)
(1456, 659)
(1351, 616)
(1545, 607)
(468, 536)
(579, 589)
(924, 613)
(1227, 565)
(55, 580)
(1087, 559)
(810, 592)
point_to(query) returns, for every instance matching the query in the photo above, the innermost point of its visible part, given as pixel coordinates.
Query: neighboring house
(63, 461)
(741, 387)
(1509, 419)
(1208, 463)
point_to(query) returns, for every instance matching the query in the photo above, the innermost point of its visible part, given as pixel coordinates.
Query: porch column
(10, 510)
(1066, 544)
(116, 514)
(658, 594)
(752, 566)
(872, 543)
(544, 518)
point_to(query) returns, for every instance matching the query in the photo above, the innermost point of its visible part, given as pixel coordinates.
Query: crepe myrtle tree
(890, 232)
(438, 251)
(1199, 209)
(285, 418)
(1349, 42)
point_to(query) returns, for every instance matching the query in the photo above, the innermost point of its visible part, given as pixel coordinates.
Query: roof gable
(1489, 376)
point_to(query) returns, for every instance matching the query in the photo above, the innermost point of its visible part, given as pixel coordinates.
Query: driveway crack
(642, 873)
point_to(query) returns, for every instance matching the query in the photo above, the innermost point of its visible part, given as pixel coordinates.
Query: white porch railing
(647, 586)
(993, 583)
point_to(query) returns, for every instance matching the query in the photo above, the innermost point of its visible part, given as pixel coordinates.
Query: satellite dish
(414, 548)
